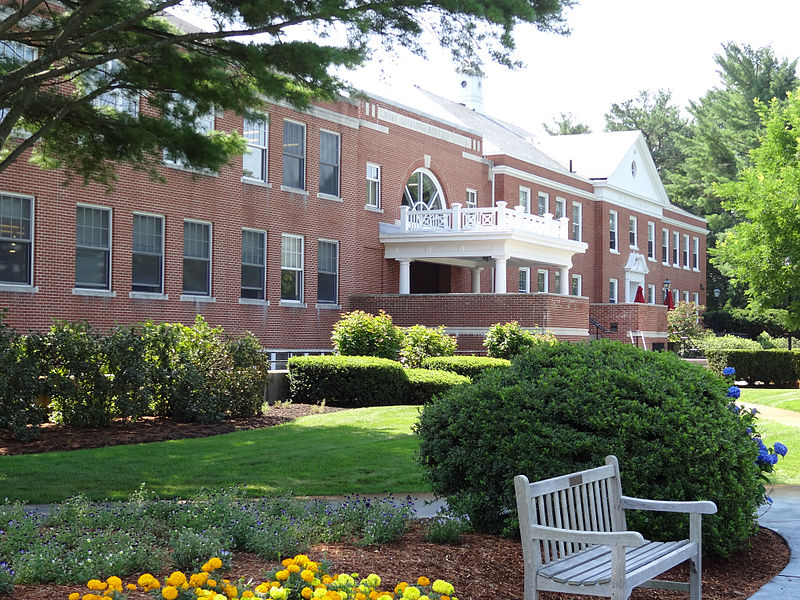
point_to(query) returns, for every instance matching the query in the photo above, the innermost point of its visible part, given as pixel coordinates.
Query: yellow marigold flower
(312, 566)
(361, 596)
(74, 596)
(207, 568)
(293, 568)
(96, 584)
(131, 586)
(373, 580)
(411, 593)
(170, 592)
(306, 592)
(301, 559)
(90, 597)
(386, 597)
(282, 575)
(198, 579)
(286, 562)
(248, 594)
(307, 575)
(176, 579)
(215, 563)
(331, 595)
(230, 591)
(423, 581)
(212, 583)
(219, 597)
(263, 588)
(114, 582)
(278, 594)
(442, 587)
(424, 598)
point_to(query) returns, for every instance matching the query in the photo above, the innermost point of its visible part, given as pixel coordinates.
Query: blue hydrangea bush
(562, 408)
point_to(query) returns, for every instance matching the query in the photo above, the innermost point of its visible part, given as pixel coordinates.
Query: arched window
(423, 192)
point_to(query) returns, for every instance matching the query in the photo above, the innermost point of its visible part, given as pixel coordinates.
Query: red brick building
(438, 214)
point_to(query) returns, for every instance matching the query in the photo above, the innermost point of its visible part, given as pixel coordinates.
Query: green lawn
(369, 450)
(786, 399)
(788, 468)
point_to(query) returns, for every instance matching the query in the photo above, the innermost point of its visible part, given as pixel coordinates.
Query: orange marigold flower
(131, 587)
(282, 575)
(423, 581)
(287, 561)
(74, 596)
(306, 593)
(170, 592)
(327, 579)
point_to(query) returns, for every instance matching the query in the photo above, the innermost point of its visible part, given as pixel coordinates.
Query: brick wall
(649, 318)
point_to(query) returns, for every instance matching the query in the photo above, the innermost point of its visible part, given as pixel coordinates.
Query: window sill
(253, 301)
(148, 296)
(328, 306)
(651, 259)
(331, 197)
(292, 304)
(612, 251)
(696, 270)
(19, 287)
(687, 268)
(185, 169)
(193, 298)
(256, 182)
(89, 292)
(294, 190)
(375, 209)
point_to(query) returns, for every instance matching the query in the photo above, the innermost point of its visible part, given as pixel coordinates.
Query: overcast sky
(616, 49)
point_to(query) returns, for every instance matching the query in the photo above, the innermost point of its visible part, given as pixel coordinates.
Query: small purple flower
(734, 392)
(780, 449)
(729, 371)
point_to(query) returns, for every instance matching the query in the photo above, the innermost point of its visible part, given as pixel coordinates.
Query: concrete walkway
(771, 413)
(784, 517)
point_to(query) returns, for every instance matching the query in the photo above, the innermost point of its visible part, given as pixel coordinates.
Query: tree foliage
(762, 252)
(566, 124)
(660, 122)
(55, 100)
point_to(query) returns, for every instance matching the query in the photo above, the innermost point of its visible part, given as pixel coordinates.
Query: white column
(476, 279)
(405, 276)
(563, 276)
(500, 275)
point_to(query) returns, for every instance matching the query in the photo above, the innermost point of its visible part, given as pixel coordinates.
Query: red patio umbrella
(670, 303)
(639, 295)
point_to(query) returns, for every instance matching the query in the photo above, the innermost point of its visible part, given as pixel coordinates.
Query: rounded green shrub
(507, 340)
(424, 384)
(469, 366)
(563, 408)
(359, 333)
(349, 381)
(420, 342)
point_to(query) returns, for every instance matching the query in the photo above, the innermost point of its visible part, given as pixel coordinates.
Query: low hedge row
(780, 368)
(357, 381)
(468, 366)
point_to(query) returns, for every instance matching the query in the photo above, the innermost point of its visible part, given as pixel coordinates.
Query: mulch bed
(484, 567)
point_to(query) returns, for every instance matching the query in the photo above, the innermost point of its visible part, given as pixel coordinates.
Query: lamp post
(667, 286)
(717, 292)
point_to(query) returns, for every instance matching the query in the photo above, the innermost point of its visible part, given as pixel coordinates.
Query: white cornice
(371, 125)
(476, 158)
(676, 223)
(322, 113)
(525, 176)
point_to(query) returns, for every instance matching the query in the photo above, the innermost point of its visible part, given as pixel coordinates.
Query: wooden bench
(574, 537)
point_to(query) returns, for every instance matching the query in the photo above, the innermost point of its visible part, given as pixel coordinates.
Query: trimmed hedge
(424, 384)
(771, 367)
(347, 381)
(468, 366)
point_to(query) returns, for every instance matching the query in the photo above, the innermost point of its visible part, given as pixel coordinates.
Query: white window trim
(613, 215)
(562, 202)
(546, 197)
(651, 293)
(676, 249)
(615, 298)
(546, 274)
(265, 149)
(633, 223)
(474, 193)
(525, 198)
(338, 194)
(579, 278)
(201, 297)
(178, 162)
(301, 302)
(686, 295)
(579, 220)
(527, 272)
(79, 290)
(289, 188)
(651, 234)
(377, 205)
(157, 295)
(9, 286)
(687, 255)
(665, 259)
(336, 293)
(696, 254)
(696, 298)
(264, 265)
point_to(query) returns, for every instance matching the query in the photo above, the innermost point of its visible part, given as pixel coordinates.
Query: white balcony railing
(497, 218)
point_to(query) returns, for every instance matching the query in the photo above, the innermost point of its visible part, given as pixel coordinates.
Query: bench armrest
(608, 538)
(703, 507)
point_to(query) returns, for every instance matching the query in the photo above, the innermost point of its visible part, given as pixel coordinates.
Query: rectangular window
(292, 267)
(147, 254)
(651, 240)
(577, 286)
(254, 264)
(123, 101)
(561, 208)
(18, 52)
(16, 239)
(254, 161)
(328, 272)
(294, 155)
(373, 185)
(204, 124)
(676, 248)
(471, 200)
(613, 284)
(196, 258)
(651, 293)
(541, 281)
(696, 254)
(612, 230)
(665, 246)
(93, 248)
(685, 250)
(633, 233)
(329, 152)
(676, 296)
(524, 280)
(542, 207)
(696, 298)
(557, 282)
(686, 296)
(525, 198)
(577, 221)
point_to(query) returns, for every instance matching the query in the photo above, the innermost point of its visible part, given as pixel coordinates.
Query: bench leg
(696, 563)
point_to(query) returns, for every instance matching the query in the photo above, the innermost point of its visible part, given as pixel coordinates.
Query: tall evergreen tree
(72, 72)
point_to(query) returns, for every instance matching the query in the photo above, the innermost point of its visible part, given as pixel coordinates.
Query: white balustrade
(496, 218)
